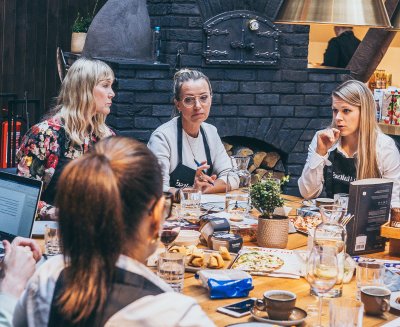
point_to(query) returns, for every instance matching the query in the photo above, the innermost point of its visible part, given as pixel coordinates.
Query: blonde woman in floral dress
(73, 127)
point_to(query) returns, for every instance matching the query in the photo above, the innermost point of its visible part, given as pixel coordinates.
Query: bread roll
(223, 251)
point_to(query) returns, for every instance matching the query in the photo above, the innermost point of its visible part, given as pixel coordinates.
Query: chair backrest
(62, 66)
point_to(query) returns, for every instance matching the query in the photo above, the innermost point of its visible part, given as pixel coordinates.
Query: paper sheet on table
(39, 225)
(214, 198)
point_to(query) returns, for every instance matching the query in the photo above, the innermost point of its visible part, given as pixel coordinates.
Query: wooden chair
(62, 65)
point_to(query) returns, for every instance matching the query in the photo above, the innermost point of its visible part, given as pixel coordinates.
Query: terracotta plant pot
(272, 233)
(77, 42)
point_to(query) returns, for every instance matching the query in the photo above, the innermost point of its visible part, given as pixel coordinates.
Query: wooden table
(261, 284)
(193, 288)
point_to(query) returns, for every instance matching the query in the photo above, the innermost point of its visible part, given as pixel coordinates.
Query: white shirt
(166, 309)
(164, 144)
(7, 305)
(312, 179)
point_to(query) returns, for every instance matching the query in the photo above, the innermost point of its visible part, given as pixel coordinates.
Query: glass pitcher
(237, 200)
(331, 232)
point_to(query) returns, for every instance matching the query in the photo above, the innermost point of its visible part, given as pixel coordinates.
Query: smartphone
(238, 309)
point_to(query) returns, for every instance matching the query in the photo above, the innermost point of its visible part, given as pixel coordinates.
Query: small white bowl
(187, 237)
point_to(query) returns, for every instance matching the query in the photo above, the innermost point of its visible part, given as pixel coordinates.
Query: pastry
(223, 251)
(196, 260)
(215, 261)
(177, 249)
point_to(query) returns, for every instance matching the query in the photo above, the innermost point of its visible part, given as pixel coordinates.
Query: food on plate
(223, 251)
(215, 261)
(196, 259)
(258, 261)
(307, 221)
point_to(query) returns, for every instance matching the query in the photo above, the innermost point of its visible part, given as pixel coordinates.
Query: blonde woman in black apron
(190, 150)
(352, 148)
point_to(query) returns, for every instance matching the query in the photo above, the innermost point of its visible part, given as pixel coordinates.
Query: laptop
(19, 199)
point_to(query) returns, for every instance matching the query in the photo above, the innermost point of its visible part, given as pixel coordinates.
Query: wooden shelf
(390, 129)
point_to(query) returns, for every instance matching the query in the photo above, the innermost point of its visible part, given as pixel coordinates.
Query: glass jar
(237, 200)
(331, 232)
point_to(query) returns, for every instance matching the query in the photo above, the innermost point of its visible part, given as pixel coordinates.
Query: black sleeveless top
(126, 288)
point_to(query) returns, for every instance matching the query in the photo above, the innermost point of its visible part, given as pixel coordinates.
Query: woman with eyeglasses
(110, 211)
(71, 128)
(190, 150)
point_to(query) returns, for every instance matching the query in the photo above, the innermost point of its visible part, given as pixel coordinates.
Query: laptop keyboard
(6, 236)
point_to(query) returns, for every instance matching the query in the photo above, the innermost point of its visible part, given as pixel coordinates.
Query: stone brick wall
(283, 106)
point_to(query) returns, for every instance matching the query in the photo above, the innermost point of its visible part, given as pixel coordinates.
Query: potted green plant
(272, 230)
(79, 29)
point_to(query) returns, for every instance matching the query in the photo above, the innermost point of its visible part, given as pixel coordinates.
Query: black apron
(126, 288)
(183, 176)
(340, 174)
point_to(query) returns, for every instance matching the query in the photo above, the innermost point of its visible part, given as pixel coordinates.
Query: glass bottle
(156, 44)
(331, 233)
(237, 200)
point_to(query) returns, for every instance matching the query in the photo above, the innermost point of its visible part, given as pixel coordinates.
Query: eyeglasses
(190, 101)
(167, 210)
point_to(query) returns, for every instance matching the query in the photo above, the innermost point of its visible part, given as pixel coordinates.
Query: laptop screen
(19, 197)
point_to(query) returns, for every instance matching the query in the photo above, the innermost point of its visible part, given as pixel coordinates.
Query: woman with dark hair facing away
(111, 206)
(75, 124)
(190, 150)
(352, 148)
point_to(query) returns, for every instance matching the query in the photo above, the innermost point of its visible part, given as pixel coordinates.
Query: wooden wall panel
(30, 32)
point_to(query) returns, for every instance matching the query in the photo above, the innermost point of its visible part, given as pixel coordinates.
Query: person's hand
(31, 244)
(326, 139)
(18, 266)
(201, 180)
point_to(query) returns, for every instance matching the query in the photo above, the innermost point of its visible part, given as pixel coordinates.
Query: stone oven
(263, 91)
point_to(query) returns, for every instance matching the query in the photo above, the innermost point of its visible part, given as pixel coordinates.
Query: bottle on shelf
(156, 44)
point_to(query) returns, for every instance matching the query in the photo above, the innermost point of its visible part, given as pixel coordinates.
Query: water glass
(369, 274)
(190, 203)
(346, 313)
(341, 200)
(322, 272)
(52, 239)
(171, 268)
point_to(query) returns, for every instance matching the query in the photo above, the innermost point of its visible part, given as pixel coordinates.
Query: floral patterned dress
(45, 150)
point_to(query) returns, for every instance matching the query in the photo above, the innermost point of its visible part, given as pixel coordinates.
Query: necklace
(190, 147)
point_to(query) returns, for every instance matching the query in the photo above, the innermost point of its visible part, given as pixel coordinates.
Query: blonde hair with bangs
(76, 104)
(357, 94)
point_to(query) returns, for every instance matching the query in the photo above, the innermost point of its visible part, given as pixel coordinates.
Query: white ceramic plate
(296, 318)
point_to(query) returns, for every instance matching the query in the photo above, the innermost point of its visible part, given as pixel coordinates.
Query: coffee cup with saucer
(278, 306)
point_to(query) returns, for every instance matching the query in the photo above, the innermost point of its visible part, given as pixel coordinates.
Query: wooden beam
(372, 49)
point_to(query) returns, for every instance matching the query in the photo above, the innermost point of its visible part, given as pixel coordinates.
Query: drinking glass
(322, 272)
(52, 239)
(369, 274)
(172, 225)
(237, 197)
(190, 203)
(346, 313)
(342, 200)
(171, 268)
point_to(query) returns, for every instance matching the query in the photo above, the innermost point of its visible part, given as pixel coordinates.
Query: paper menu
(253, 260)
